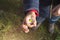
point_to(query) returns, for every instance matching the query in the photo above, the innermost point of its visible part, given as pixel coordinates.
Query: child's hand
(56, 10)
(29, 21)
(59, 11)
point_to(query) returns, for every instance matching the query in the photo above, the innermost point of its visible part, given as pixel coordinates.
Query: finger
(59, 11)
(35, 23)
(25, 28)
(32, 24)
(28, 23)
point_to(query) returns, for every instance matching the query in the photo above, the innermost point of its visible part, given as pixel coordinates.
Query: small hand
(28, 22)
(56, 11)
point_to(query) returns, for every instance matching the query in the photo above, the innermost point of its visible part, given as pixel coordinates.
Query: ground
(11, 17)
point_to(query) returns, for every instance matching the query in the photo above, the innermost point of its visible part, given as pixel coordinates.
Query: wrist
(32, 13)
(33, 10)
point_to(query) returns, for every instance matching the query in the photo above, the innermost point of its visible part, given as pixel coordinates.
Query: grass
(11, 16)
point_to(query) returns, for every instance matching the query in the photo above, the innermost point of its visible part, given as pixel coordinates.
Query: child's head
(56, 10)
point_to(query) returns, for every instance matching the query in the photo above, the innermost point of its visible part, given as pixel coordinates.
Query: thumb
(35, 23)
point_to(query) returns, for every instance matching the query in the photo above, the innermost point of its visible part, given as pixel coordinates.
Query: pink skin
(59, 11)
(56, 10)
(26, 22)
(25, 28)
